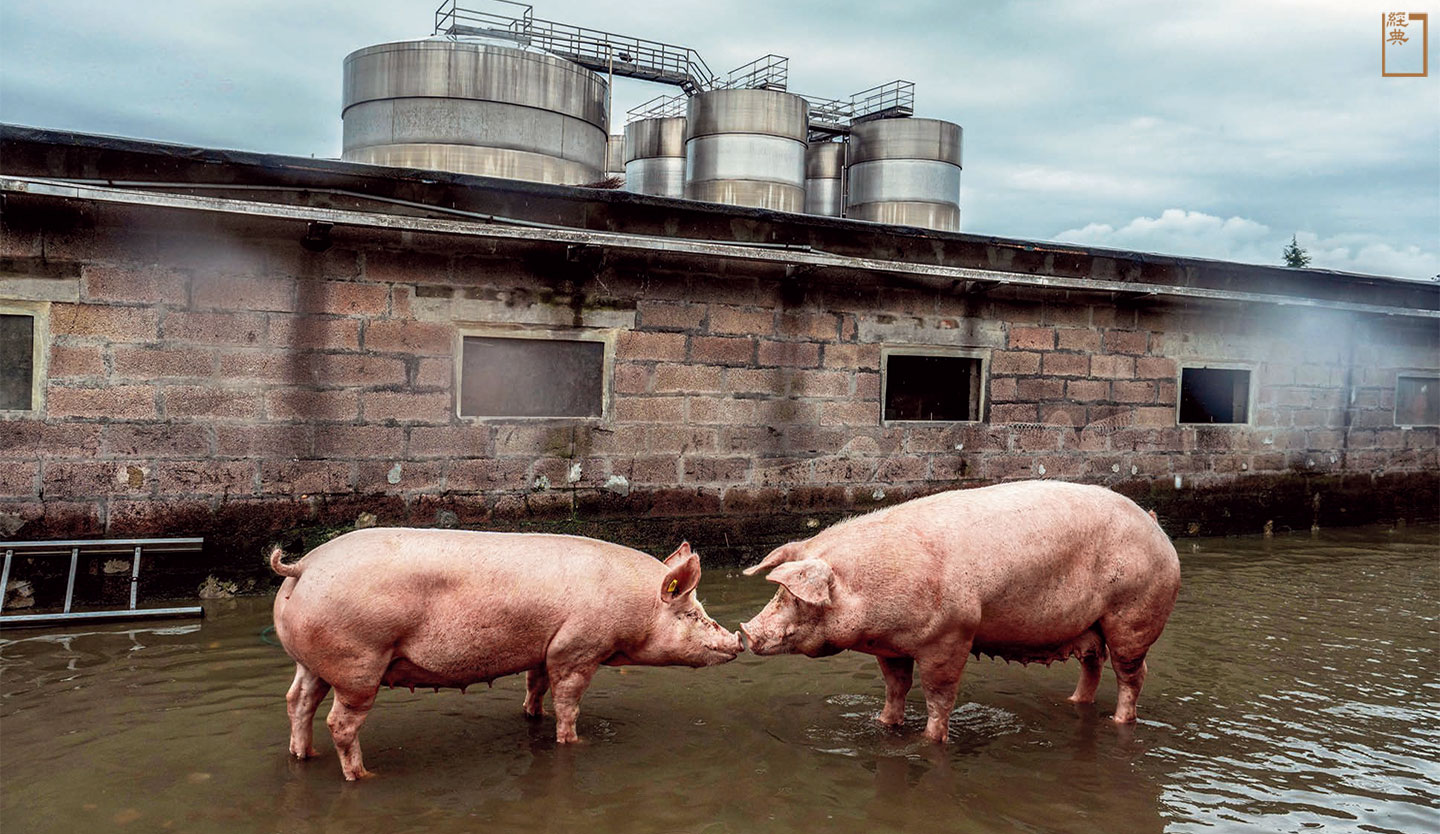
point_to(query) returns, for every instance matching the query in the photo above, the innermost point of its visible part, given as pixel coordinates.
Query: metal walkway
(94, 547)
(666, 63)
(590, 48)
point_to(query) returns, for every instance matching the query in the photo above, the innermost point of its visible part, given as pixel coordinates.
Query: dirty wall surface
(209, 376)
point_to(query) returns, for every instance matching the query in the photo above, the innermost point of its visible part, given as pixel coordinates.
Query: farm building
(243, 346)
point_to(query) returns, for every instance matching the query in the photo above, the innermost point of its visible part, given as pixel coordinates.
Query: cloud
(1197, 234)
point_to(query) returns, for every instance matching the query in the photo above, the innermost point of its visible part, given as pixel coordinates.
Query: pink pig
(439, 608)
(1029, 571)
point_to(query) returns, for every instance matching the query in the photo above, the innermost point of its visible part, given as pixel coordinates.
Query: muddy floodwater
(1295, 689)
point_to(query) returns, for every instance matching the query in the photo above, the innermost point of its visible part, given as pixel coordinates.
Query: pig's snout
(756, 639)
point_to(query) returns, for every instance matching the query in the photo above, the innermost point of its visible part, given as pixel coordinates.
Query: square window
(1214, 395)
(932, 387)
(532, 377)
(17, 362)
(1417, 401)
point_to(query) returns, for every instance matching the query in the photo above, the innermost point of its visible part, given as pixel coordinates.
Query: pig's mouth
(724, 655)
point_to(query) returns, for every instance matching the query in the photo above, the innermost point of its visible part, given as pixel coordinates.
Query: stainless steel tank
(474, 108)
(824, 179)
(655, 156)
(747, 148)
(905, 171)
(615, 155)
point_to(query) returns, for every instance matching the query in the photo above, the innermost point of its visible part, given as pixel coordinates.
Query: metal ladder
(94, 547)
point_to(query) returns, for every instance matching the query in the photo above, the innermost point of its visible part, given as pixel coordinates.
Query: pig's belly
(446, 666)
(1088, 643)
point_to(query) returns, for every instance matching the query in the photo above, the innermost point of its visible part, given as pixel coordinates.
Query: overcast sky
(1215, 128)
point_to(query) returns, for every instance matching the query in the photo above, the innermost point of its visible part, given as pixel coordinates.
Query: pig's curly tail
(276, 554)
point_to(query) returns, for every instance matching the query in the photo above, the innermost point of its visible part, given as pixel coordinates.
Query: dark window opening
(1417, 401)
(532, 378)
(17, 362)
(932, 388)
(1214, 395)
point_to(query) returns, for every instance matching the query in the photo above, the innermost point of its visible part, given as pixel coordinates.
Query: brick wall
(211, 377)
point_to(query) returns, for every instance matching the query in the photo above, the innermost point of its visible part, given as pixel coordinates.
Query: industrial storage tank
(747, 148)
(475, 108)
(655, 156)
(905, 171)
(824, 179)
(615, 156)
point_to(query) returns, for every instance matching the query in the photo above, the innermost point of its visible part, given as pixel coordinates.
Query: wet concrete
(1295, 689)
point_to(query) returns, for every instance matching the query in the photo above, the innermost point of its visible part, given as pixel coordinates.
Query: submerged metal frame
(94, 547)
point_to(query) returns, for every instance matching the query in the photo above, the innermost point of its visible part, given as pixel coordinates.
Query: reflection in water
(1295, 689)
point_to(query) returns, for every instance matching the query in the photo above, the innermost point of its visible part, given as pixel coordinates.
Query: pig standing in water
(450, 608)
(1030, 571)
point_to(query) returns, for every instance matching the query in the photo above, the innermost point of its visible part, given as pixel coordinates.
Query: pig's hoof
(1124, 719)
(889, 720)
(362, 774)
(308, 754)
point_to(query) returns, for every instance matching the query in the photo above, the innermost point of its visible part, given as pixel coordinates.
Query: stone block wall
(209, 376)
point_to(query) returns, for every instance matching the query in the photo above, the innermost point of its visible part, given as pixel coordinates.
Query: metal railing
(768, 72)
(659, 107)
(886, 101)
(833, 116)
(593, 49)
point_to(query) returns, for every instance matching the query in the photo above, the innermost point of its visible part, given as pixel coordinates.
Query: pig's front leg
(537, 682)
(940, 677)
(1090, 666)
(568, 684)
(899, 674)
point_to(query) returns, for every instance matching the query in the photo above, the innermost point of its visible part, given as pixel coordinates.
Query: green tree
(1295, 256)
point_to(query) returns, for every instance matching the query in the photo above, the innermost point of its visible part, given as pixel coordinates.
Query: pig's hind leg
(354, 696)
(899, 673)
(537, 683)
(302, 701)
(1129, 641)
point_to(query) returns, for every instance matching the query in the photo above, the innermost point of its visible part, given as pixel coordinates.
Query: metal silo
(474, 108)
(905, 171)
(824, 184)
(655, 156)
(615, 156)
(747, 148)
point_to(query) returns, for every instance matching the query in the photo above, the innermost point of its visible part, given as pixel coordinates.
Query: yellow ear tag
(674, 583)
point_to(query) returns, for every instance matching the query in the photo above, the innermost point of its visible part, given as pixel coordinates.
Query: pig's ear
(783, 553)
(681, 554)
(807, 579)
(683, 576)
